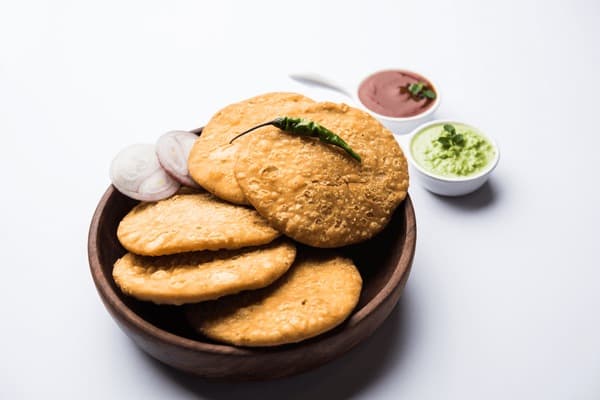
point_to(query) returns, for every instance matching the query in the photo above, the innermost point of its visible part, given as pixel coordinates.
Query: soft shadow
(486, 196)
(340, 379)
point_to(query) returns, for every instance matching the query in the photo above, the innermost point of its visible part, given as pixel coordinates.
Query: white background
(503, 301)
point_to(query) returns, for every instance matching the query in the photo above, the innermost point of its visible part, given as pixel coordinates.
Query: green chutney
(468, 158)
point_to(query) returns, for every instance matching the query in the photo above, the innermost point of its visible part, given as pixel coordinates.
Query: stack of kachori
(251, 257)
(194, 247)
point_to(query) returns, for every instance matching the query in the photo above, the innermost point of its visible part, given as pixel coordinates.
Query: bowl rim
(116, 305)
(486, 171)
(423, 115)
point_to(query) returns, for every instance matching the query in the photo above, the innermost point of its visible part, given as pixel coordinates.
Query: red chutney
(386, 93)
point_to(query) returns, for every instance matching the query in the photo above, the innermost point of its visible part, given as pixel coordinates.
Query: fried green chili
(305, 127)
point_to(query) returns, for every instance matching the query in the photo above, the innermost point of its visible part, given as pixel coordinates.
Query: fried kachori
(212, 158)
(203, 275)
(192, 222)
(318, 293)
(316, 193)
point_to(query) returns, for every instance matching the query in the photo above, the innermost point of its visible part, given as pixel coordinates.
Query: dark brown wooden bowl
(161, 331)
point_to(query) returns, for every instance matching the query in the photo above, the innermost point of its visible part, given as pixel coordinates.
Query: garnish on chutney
(420, 90)
(450, 138)
(305, 127)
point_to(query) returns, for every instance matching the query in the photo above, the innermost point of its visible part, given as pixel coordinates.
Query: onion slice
(136, 173)
(173, 149)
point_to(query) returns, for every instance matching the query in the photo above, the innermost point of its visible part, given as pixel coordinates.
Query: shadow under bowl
(161, 331)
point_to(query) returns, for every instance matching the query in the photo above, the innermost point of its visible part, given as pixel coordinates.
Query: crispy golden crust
(199, 276)
(191, 222)
(315, 295)
(315, 192)
(212, 158)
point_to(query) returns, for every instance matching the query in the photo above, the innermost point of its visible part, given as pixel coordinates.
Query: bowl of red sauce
(400, 99)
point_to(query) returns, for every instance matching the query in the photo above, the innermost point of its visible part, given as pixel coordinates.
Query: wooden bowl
(161, 331)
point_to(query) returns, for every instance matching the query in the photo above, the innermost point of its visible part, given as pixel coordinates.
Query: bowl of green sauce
(451, 158)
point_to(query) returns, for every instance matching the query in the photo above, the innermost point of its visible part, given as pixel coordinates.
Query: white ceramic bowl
(450, 186)
(403, 125)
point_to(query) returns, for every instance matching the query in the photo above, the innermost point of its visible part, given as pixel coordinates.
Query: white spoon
(315, 79)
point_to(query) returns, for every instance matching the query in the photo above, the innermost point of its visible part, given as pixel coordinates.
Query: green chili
(305, 127)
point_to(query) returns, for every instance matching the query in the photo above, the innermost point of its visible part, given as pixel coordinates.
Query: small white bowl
(450, 186)
(403, 125)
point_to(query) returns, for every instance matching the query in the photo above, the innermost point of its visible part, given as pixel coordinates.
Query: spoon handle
(312, 78)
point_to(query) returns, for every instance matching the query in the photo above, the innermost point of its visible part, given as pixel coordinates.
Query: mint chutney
(449, 158)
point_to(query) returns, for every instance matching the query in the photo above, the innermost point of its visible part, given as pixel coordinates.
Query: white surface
(503, 299)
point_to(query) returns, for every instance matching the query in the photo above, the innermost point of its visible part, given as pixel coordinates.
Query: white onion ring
(173, 149)
(136, 173)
